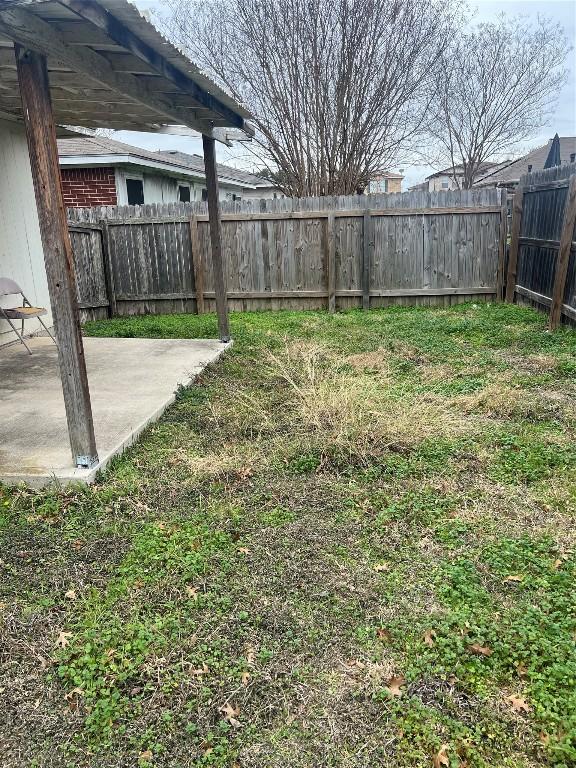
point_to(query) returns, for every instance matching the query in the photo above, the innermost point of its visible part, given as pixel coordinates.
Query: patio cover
(109, 67)
(97, 63)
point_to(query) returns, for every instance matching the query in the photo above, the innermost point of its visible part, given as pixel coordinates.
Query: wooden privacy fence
(409, 248)
(542, 261)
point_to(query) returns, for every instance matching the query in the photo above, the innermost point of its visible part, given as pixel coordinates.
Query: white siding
(21, 256)
(162, 188)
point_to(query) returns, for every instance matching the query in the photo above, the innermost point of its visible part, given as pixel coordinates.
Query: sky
(562, 121)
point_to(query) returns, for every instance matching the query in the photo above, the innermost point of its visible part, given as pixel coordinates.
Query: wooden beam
(58, 256)
(502, 247)
(517, 205)
(32, 32)
(287, 215)
(209, 146)
(539, 298)
(114, 29)
(197, 265)
(563, 256)
(344, 293)
(366, 260)
(108, 269)
(330, 256)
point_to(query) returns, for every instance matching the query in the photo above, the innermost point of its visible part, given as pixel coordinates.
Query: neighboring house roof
(89, 151)
(459, 170)
(388, 175)
(511, 171)
(110, 67)
(234, 174)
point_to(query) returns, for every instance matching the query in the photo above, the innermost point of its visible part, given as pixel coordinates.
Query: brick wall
(87, 187)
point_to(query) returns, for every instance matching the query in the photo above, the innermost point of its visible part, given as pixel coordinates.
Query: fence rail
(417, 247)
(542, 262)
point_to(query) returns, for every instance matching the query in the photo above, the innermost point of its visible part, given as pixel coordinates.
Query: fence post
(330, 246)
(366, 254)
(197, 265)
(563, 256)
(517, 206)
(502, 245)
(107, 265)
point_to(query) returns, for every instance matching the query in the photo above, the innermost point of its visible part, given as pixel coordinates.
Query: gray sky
(562, 121)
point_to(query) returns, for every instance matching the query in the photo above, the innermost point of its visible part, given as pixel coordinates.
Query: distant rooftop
(510, 172)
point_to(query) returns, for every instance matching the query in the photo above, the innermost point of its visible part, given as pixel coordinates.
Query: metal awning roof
(110, 68)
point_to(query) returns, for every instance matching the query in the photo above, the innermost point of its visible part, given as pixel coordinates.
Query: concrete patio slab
(132, 382)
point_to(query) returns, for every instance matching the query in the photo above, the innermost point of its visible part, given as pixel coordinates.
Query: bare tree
(497, 86)
(337, 88)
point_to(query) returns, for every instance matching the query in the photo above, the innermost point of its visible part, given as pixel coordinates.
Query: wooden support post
(58, 256)
(517, 206)
(108, 275)
(563, 256)
(197, 265)
(216, 236)
(366, 259)
(502, 246)
(330, 254)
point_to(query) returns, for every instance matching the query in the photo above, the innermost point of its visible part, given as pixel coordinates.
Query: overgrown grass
(351, 544)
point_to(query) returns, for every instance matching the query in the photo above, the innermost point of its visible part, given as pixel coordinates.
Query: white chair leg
(18, 334)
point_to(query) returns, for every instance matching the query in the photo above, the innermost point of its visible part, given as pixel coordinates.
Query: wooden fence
(335, 252)
(542, 261)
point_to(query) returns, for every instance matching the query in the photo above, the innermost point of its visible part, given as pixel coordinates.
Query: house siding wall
(89, 187)
(21, 253)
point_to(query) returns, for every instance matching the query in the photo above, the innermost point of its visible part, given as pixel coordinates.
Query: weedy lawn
(351, 544)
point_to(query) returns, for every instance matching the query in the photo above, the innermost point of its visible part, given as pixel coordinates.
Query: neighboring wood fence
(411, 248)
(542, 262)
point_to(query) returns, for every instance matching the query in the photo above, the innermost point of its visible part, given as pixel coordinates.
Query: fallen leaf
(246, 678)
(356, 663)
(518, 703)
(230, 713)
(379, 567)
(63, 639)
(70, 595)
(441, 758)
(429, 637)
(245, 473)
(521, 669)
(558, 563)
(243, 551)
(383, 634)
(78, 544)
(147, 755)
(544, 738)
(250, 655)
(514, 577)
(203, 670)
(395, 684)
(480, 650)
(74, 692)
(192, 592)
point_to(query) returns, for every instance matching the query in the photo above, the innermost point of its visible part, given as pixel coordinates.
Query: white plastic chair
(26, 312)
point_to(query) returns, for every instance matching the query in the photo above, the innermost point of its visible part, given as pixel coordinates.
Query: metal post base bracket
(86, 462)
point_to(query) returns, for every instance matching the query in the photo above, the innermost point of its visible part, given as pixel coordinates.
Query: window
(236, 198)
(204, 195)
(445, 183)
(184, 193)
(135, 190)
